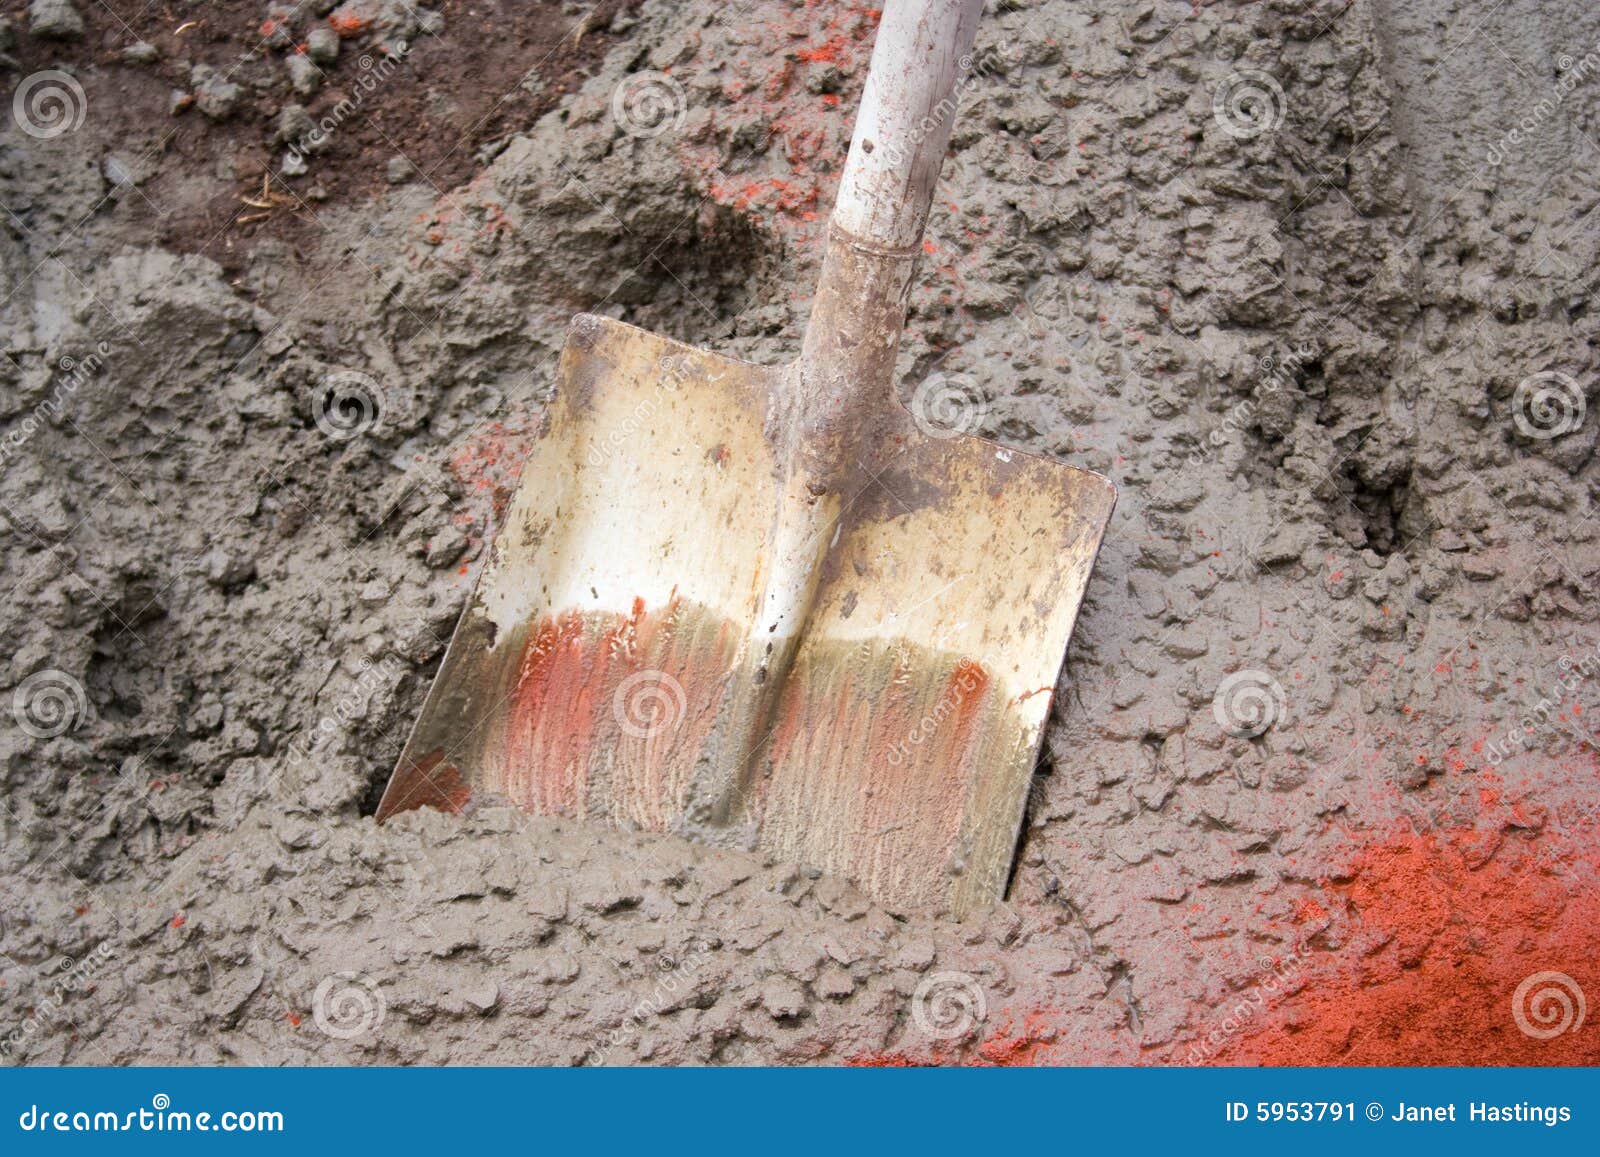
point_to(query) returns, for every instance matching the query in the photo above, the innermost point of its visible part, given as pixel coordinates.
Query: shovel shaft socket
(908, 107)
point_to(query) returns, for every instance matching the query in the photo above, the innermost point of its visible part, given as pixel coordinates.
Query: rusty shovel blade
(644, 651)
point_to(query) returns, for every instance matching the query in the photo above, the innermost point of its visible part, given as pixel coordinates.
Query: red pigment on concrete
(1436, 931)
(551, 714)
(1415, 947)
(490, 462)
(350, 20)
(876, 752)
(831, 36)
(631, 697)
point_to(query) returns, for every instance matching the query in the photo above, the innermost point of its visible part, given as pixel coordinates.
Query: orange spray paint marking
(1441, 929)
(349, 20)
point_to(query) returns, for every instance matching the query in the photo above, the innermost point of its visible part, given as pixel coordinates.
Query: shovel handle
(907, 109)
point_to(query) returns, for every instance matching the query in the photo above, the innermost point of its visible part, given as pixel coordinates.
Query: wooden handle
(908, 107)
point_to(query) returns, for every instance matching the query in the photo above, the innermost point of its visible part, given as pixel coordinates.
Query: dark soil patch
(490, 70)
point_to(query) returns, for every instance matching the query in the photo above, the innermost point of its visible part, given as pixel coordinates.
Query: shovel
(769, 606)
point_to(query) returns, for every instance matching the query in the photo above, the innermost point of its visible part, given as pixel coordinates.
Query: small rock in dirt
(276, 29)
(205, 718)
(179, 101)
(214, 94)
(560, 970)
(783, 998)
(917, 955)
(835, 983)
(604, 891)
(118, 172)
(400, 170)
(227, 570)
(1411, 775)
(1063, 962)
(1286, 545)
(54, 20)
(304, 76)
(841, 899)
(295, 127)
(1340, 581)
(141, 52)
(323, 45)
(233, 991)
(294, 165)
(482, 998)
(297, 834)
(446, 548)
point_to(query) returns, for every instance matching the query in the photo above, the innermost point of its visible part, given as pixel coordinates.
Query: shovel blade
(601, 645)
(907, 733)
(677, 631)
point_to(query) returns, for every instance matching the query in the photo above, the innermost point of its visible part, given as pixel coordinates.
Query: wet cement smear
(899, 768)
